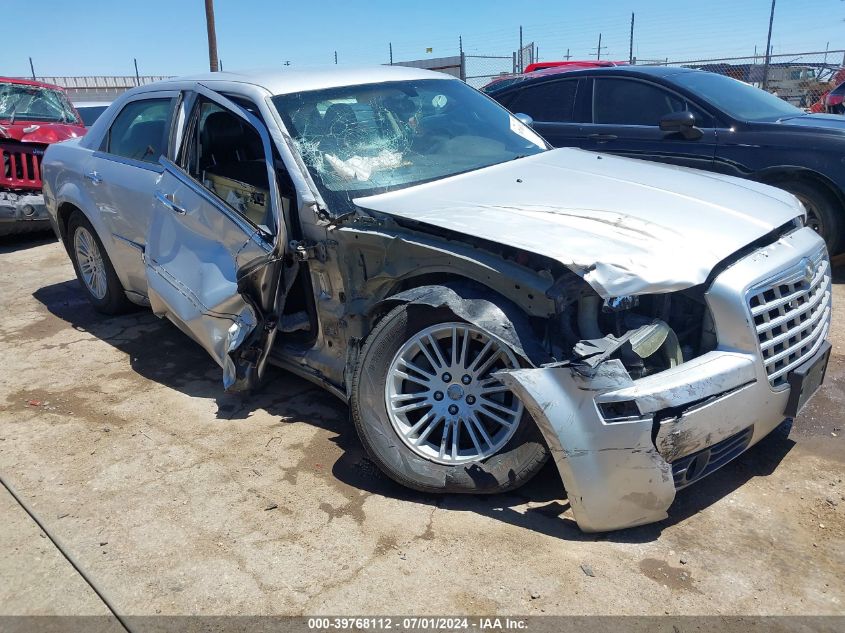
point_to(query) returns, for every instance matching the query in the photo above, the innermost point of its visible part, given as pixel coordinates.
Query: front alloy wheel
(429, 411)
(442, 399)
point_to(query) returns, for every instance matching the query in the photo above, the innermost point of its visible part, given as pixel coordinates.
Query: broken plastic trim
(645, 342)
(614, 476)
(484, 309)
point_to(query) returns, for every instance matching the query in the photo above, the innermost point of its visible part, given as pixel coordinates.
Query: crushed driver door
(212, 272)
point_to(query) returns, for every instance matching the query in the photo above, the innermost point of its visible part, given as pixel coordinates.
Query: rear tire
(824, 213)
(513, 454)
(93, 267)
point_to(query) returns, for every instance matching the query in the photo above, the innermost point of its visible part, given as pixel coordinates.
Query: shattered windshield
(373, 138)
(34, 103)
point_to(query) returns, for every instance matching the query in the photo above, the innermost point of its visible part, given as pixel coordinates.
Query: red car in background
(834, 102)
(540, 69)
(33, 115)
(571, 65)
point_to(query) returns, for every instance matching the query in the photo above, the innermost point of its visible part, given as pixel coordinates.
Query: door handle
(602, 138)
(94, 177)
(167, 200)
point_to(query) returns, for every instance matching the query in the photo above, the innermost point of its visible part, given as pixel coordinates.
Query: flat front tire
(430, 414)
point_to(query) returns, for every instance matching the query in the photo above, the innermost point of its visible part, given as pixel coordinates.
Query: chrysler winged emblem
(809, 270)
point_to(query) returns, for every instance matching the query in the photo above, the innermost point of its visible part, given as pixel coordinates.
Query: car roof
(29, 82)
(287, 81)
(630, 71)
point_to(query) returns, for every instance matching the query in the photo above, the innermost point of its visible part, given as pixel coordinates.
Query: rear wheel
(430, 413)
(824, 214)
(93, 268)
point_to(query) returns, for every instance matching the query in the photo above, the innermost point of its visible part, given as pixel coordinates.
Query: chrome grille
(792, 315)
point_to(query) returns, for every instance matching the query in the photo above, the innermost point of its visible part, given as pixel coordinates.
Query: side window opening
(628, 102)
(552, 101)
(139, 130)
(225, 155)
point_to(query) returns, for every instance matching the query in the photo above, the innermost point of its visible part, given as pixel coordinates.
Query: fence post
(514, 62)
(768, 49)
(463, 66)
(521, 66)
(631, 41)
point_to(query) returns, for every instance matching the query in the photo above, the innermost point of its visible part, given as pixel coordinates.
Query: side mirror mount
(524, 119)
(682, 123)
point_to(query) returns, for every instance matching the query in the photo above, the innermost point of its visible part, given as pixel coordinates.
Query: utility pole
(137, 77)
(32, 69)
(568, 56)
(768, 48)
(335, 57)
(599, 48)
(213, 64)
(390, 44)
(631, 41)
(463, 68)
(521, 66)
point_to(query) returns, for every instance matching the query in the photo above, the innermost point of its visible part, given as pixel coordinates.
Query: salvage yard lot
(176, 498)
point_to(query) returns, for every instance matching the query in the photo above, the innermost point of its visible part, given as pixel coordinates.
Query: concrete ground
(176, 499)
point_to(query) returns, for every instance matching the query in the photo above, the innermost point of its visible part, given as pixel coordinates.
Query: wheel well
(472, 301)
(777, 177)
(431, 279)
(65, 210)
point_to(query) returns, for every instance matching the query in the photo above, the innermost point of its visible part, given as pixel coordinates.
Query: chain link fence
(802, 79)
(482, 69)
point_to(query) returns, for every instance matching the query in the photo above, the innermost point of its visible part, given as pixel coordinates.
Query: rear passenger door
(122, 173)
(216, 245)
(626, 115)
(552, 106)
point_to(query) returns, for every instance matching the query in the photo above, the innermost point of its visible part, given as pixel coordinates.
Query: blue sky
(89, 37)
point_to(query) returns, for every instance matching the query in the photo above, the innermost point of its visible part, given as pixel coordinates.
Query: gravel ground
(176, 499)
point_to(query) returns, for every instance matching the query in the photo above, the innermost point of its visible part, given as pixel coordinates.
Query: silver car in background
(90, 111)
(480, 300)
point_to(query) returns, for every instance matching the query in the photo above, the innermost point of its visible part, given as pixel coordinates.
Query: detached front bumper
(623, 446)
(21, 213)
(618, 472)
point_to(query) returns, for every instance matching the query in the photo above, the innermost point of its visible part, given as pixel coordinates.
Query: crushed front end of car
(22, 206)
(33, 115)
(662, 390)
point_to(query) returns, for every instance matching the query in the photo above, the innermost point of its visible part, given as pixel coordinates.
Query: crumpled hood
(39, 131)
(626, 226)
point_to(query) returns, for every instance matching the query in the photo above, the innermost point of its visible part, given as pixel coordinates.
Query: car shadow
(158, 351)
(24, 241)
